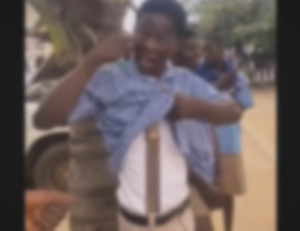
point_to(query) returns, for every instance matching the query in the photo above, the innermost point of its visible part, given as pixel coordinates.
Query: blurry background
(60, 32)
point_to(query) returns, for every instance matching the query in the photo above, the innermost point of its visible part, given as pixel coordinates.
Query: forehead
(156, 23)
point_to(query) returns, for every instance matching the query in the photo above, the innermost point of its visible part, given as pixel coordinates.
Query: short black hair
(189, 33)
(169, 8)
(215, 39)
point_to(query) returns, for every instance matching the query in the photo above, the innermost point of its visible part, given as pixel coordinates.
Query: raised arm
(57, 106)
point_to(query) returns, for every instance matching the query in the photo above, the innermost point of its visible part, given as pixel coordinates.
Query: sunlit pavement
(255, 211)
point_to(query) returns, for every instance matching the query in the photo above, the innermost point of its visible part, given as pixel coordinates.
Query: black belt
(143, 221)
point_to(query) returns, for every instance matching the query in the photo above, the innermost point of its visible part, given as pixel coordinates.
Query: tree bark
(91, 181)
(85, 22)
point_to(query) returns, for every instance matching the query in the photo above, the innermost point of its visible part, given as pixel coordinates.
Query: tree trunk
(81, 24)
(91, 181)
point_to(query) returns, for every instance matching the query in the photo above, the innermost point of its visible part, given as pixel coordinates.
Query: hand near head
(58, 105)
(112, 48)
(45, 209)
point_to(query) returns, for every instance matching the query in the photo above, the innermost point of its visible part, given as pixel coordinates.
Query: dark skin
(210, 193)
(154, 46)
(54, 110)
(189, 53)
(44, 209)
(187, 57)
(214, 56)
(154, 43)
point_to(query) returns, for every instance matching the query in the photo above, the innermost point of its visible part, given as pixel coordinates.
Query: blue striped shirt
(125, 102)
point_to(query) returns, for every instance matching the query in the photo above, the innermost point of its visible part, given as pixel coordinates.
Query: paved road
(256, 210)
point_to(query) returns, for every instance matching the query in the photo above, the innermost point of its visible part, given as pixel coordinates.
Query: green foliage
(56, 31)
(238, 21)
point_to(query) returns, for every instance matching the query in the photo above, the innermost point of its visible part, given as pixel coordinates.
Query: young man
(146, 96)
(221, 73)
(189, 56)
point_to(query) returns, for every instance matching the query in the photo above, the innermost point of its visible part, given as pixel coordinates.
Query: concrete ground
(255, 211)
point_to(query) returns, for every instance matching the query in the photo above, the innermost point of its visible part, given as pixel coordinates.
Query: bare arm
(45, 209)
(218, 113)
(58, 105)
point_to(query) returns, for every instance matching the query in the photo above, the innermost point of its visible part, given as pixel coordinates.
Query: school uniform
(125, 105)
(231, 181)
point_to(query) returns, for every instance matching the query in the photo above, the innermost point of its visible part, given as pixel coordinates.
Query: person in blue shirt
(220, 72)
(189, 56)
(125, 98)
(215, 68)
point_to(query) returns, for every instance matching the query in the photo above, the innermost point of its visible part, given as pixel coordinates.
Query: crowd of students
(220, 72)
(169, 113)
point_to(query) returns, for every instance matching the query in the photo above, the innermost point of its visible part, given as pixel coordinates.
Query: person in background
(44, 209)
(189, 56)
(221, 73)
(125, 100)
(215, 69)
(189, 53)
